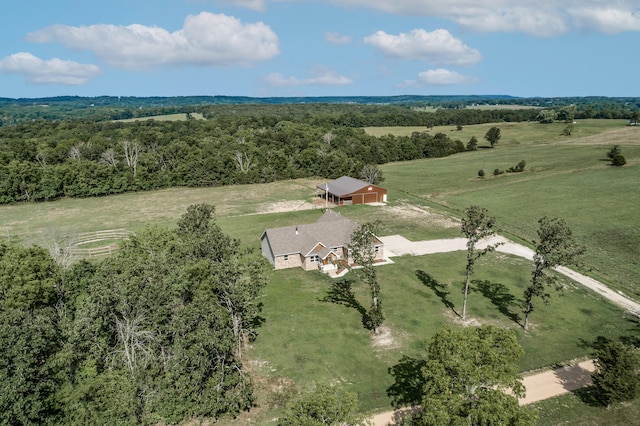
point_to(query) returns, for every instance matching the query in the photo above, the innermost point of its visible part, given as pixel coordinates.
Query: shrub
(517, 168)
(618, 161)
(481, 173)
(497, 172)
(614, 152)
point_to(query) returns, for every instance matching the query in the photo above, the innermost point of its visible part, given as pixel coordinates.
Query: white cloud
(440, 77)
(205, 39)
(542, 18)
(322, 77)
(438, 47)
(336, 38)
(607, 20)
(53, 71)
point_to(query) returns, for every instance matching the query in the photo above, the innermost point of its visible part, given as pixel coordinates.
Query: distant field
(502, 107)
(167, 117)
(567, 177)
(512, 133)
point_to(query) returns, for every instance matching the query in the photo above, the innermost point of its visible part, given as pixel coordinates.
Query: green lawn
(581, 408)
(306, 338)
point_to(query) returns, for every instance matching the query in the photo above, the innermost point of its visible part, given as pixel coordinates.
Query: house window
(286, 257)
(315, 258)
(377, 248)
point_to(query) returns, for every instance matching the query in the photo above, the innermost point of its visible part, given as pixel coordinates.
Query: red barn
(347, 190)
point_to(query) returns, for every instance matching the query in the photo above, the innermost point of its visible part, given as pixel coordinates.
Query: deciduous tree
(476, 226)
(324, 405)
(493, 136)
(362, 250)
(555, 246)
(617, 375)
(466, 376)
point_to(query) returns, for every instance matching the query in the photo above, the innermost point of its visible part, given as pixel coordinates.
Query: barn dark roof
(343, 186)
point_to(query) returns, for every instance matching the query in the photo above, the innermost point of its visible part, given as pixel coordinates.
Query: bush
(497, 172)
(518, 168)
(614, 152)
(481, 173)
(618, 161)
(617, 375)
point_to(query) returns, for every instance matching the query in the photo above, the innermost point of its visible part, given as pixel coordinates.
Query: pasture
(166, 117)
(308, 336)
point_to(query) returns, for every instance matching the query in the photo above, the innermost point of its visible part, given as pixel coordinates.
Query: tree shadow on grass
(341, 293)
(500, 297)
(437, 288)
(406, 389)
(589, 395)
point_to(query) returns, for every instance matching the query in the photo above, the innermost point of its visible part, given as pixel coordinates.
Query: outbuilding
(347, 190)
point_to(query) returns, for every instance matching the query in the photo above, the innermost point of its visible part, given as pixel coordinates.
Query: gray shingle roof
(343, 186)
(331, 230)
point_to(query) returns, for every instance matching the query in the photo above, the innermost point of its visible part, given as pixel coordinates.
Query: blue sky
(320, 48)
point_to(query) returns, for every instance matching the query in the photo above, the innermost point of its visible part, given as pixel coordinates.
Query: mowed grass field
(306, 337)
(566, 177)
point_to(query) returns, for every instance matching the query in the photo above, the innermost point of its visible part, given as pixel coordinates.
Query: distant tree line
(45, 160)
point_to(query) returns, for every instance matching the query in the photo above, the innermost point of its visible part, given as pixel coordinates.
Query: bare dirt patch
(385, 339)
(421, 213)
(284, 206)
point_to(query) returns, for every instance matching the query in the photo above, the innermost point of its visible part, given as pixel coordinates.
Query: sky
(264, 48)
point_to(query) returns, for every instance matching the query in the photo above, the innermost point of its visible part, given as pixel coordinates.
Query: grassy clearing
(512, 133)
(581, 408)
(570, 180)
(306, 338)
(167, 117)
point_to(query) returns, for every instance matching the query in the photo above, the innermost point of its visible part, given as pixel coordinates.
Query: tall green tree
(477, 225)
(555, 246)
(30, 337)
(362, 250)
(493, 136)
(617, 375)
(467, 374)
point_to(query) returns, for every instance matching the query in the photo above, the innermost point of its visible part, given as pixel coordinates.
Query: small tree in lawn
(472, 145)
(362, 250)
(493, 136)
(555, 247)
(617, 375)
(476, 225)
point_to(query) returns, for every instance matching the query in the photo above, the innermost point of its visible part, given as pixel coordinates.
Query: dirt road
(539, 386)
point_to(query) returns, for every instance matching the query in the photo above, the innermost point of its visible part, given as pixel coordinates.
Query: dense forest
(236, 143)
(150, 335)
